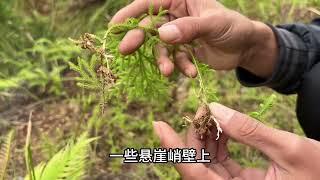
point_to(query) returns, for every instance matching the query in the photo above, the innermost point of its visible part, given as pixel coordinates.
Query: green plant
(137, 75)
(87, 70)
(68, 163)
(264, 107)
(277, 11)
(5, 152)
(38, 69)
(30, 42)
(204, 120)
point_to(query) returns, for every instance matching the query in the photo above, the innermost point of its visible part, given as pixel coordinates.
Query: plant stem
(202, 94)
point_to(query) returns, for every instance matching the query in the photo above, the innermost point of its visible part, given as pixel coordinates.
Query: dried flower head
(106, 75)
(86, 41)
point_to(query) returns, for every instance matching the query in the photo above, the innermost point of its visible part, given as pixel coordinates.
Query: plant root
(204, 122)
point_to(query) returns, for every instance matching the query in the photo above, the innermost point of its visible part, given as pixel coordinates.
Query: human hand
(291, 156)
(226, 38)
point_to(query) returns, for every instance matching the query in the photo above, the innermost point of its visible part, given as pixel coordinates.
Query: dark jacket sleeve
(299, 51)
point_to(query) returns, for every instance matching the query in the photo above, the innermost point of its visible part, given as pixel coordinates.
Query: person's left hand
(291, 156)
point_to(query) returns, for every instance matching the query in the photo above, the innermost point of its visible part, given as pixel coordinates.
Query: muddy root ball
(204, 122)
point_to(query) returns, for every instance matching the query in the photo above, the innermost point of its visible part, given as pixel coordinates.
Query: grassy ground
(34, 76)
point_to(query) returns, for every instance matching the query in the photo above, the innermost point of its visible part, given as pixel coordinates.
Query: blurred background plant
(35, 76)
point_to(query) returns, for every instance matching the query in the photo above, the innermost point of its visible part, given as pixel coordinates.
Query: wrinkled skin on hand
(291, 157)
(225, 38)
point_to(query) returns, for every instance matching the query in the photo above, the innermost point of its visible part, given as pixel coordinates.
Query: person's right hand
(227, 39)
(291, 157)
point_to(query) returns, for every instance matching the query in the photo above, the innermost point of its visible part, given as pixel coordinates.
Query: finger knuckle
(181, 55)
(249, 127)
(196, 29)
(190, 28)
(295, 148)
(220, 14)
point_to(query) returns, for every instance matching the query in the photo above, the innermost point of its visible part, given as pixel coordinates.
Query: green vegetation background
(34, 75)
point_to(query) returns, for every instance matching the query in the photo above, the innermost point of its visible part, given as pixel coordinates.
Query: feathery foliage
(87, 70)
(264, 107)
(68, 163)
(136, 75)
(30, 43)
(5, 152)
(38, 67)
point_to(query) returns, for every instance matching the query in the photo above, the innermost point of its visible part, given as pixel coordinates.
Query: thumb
(282, 147)
(183, 30)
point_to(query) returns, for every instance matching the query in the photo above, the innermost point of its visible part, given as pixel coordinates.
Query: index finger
(282, 147)
(137, 8)
(170, 139)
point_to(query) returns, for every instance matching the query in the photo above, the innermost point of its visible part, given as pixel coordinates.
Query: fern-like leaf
(136, 75)
(69, 163)
(88, 77)
(5, 154)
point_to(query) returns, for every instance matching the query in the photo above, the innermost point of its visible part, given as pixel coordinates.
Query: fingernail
(221, 113)
(157, 129)
(165, 69)
(162, 68)
(192, 73)
(169, 33)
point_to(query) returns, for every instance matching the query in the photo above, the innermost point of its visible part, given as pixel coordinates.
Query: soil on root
(204, 122)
